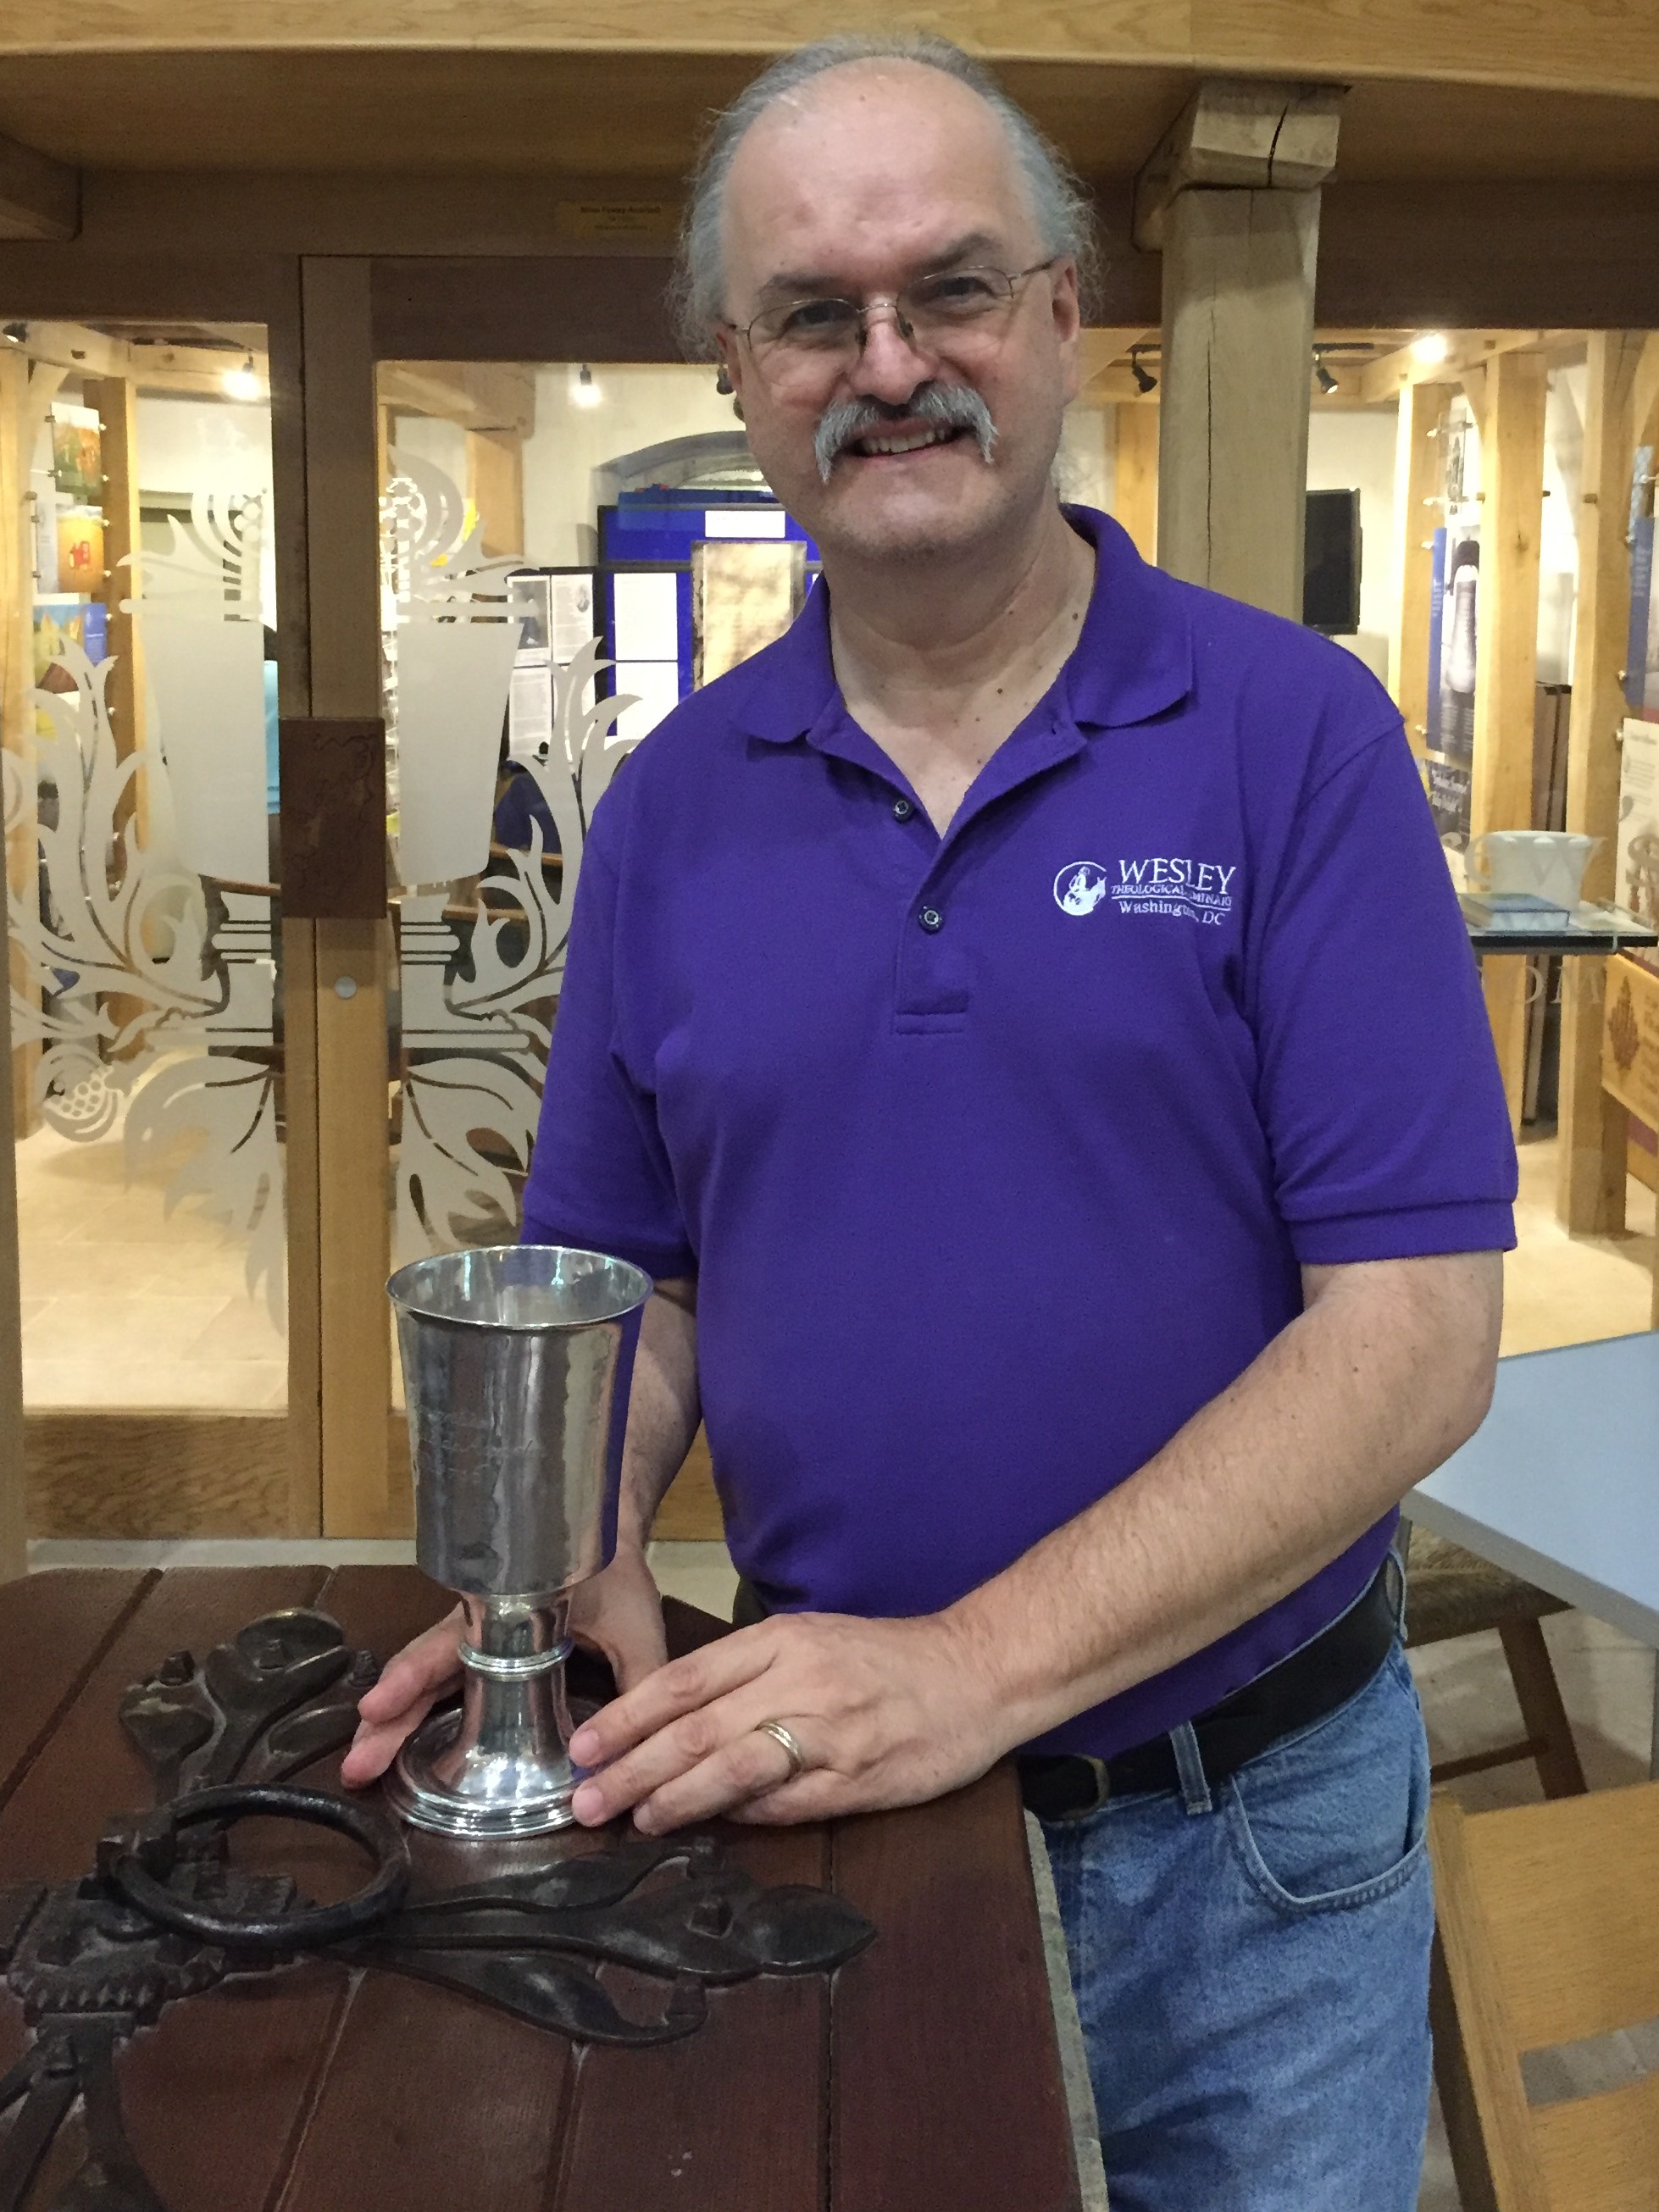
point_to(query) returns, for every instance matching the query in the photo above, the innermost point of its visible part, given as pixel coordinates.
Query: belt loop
(1397, 1561)
(1189, 1765)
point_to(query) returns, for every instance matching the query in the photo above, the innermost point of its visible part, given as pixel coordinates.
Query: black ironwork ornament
(166, 1915)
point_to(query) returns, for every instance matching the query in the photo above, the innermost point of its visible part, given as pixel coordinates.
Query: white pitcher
(1543, 864)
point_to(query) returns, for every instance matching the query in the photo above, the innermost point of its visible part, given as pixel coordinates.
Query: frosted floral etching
(134, 1000)
(477, 1004)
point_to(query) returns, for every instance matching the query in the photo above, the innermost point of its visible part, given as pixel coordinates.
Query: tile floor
(126, 1304)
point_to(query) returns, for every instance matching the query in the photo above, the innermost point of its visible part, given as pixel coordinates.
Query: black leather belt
(1300, 1690)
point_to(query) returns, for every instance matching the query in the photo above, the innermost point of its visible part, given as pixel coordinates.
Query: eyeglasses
(811, 335)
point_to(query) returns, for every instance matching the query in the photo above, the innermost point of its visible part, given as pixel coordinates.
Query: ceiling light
(1323, 377)
(1145, 380)
(1431, 349)
(15, 333)
(584, 392)
(243, 383)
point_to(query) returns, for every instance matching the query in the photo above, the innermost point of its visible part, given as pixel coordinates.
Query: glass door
(567, 547)
(149, 1081)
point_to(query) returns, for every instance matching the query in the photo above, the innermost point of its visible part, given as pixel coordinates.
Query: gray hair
(1059, 201)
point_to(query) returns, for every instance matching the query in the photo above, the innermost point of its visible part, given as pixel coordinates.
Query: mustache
(958, 406)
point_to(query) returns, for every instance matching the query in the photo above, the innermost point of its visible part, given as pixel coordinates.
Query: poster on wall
(1642, 645)
(742, 597)
(1460, 617)
(78, 460)
(80, 551)
(1449, 722)
(1636, 868)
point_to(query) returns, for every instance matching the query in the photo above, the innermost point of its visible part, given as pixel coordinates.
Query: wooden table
(926, 2075)
(1560, 1483)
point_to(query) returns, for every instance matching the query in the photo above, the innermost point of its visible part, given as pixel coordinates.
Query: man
(1021, 1021)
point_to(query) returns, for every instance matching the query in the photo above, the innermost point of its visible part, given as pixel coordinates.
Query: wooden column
(1135, 497)
(304, 1438)
(113, 397)
(13, 1528)
(1230, 197)
(495, 484)
(1416, 483)
(1508, 398)
(1591, 1171)
(351, 957)
(14, 678)
(1238, 277)
(27, 389)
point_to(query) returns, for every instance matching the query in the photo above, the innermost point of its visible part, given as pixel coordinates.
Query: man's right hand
(618, 1614)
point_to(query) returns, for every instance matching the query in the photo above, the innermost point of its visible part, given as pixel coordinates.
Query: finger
(677, 1750)
(682, 1687)
(631, 1653)
(744, 1769)
(419, 1670)
(817, 1794)
(372, 1750)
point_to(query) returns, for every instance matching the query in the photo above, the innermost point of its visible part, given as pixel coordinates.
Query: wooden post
(1416, 483)
(113, 398)
(1230, 195)
(1509, 399)
(14, 1556)
(495, 484)
(304, 1439)
(1590, 1169)
(14, 675)
(351, 957)
(1238, 282)
(26, 391)
(1134, 498)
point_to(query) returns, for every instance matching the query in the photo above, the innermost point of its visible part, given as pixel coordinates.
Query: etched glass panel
(567, 550)
(138, 768)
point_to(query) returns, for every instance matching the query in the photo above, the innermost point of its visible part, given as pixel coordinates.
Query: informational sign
(1630, 1038)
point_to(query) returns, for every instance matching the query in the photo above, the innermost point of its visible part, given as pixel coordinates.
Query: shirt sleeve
(599, 1178)
(1380, 1089)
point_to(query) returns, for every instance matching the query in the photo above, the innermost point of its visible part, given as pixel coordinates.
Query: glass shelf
(1552, 929)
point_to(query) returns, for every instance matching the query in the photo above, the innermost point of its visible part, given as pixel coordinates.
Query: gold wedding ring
(791, 1750)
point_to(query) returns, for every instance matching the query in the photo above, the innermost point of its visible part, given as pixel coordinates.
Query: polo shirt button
(931, 919)
(902, 809)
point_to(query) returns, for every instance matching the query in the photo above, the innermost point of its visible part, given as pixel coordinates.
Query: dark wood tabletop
(924, 2074)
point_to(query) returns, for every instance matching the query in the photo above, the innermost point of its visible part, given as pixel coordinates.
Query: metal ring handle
(122, 1864)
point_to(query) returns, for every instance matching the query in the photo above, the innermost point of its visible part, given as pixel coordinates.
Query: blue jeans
(1252, 1970)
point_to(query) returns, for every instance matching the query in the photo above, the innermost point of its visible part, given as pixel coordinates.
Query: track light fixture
(1145, 380)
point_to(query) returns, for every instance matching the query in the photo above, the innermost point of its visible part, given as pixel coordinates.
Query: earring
(722, 382)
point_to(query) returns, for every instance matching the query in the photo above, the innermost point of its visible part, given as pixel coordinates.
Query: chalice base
(438, 1785)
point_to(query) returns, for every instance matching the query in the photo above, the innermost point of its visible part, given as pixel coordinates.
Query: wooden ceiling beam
(196, 369)
(39, 198)
(1468, 352)
(479, 395)
(1242, 134)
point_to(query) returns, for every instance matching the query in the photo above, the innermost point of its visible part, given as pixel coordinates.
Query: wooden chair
(1548, 1934)
(1451, 1592)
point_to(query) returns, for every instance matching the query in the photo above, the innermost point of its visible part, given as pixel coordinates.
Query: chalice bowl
(517, 1360)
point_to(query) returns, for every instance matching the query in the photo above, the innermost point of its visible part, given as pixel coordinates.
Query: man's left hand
(885, 1713)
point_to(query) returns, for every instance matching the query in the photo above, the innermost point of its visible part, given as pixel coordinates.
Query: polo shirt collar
(1132, 660)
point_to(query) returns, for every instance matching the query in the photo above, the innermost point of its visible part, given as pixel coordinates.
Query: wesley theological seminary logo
(1196, 890)
(1081, 887)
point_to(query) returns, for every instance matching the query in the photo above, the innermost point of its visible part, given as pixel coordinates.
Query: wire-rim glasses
(943, 304)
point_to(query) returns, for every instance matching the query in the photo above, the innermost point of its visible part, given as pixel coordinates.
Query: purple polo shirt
(995, 1155)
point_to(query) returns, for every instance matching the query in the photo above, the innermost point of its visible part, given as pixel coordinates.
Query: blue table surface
(1560, 1483)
